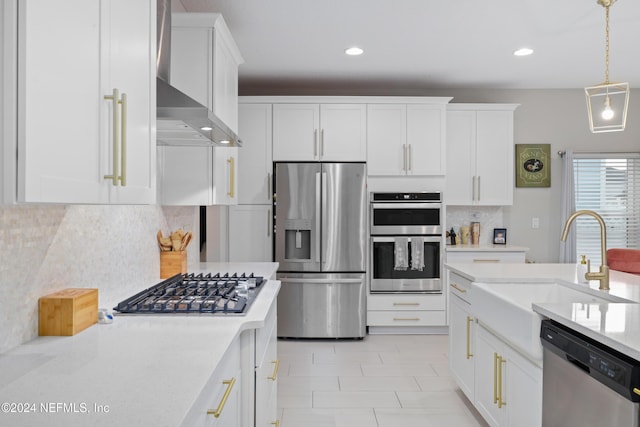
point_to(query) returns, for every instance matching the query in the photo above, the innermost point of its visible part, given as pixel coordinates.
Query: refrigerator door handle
(318, 216)
(321, 281)
(325, 233)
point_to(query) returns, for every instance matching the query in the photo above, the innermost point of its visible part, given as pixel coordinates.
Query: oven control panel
(435, 197)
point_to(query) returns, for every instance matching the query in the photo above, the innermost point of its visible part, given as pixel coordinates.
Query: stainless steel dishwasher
(585, 383)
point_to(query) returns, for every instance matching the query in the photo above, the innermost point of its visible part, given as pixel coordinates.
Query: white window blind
(608, 184)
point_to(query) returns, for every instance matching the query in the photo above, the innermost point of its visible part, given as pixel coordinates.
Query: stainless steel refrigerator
(320, 243)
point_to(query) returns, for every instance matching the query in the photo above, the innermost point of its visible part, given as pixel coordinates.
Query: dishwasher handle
(578, 364)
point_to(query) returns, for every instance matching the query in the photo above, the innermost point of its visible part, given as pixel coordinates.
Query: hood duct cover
(181, 120)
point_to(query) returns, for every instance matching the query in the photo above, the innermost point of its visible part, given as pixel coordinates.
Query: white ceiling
(428, 44)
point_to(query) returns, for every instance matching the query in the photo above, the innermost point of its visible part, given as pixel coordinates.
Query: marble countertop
(616, 324)
(147, 370)
(485, 248)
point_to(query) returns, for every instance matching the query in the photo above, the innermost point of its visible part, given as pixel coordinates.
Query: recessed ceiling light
(224, 141)
(354, 51)
(206, 128)
(525, 51)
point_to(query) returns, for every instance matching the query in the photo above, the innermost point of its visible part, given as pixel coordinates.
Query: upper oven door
(405, 218)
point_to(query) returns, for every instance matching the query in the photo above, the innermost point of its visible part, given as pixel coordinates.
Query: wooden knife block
(67, 312)
(172, 263)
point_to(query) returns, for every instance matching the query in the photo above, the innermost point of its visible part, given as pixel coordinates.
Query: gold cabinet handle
(123, 139)
(485, 260)
(276, 423)
(469, 320)
(232, 177)
(115, 98)
(268, 187)
(501, 361)
(455, 286)
(322, 143)
(636, 391)
(410, 158)
(407, 318)
(274, 376)
(268, 222)
(315, 143)
(495, 378)
(225, 396)
(406, 303)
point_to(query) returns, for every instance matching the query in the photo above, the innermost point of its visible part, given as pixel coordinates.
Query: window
(608, 184)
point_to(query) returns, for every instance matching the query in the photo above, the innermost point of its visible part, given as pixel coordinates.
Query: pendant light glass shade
(607, 106)
(607, 103)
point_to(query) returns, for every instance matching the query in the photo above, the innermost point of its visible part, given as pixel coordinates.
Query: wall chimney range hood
(181, 120)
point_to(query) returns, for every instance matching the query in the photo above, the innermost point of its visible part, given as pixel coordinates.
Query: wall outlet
(535, 223)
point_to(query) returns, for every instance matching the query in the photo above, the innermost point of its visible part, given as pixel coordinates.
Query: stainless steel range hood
(181, 120)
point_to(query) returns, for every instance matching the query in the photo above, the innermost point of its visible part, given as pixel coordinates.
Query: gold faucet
(603, 274)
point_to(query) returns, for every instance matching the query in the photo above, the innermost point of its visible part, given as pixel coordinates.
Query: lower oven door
(414, 275)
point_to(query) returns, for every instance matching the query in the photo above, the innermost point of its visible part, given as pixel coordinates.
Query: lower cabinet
(267, 364)
(508, 387)
(405, 310)
(219, 403)
(462, 331)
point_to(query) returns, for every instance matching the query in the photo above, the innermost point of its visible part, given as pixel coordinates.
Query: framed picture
(499, 236)
(533, 165)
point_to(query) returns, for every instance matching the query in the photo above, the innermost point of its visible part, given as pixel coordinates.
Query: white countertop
(616, 324)
(485, 248)
(147, 369)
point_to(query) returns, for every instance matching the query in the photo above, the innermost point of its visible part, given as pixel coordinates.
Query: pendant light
(607, 102)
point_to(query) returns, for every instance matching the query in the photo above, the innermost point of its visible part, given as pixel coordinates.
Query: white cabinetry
(204, 63)
(508, 387)
(194, 176)
(462, 330)
(76, 143)
(406, 139)
(508, 254)
(255, 163)
(406, 311)
(251, 233)
(220, 402)
(480, 154)
(313, 132)
(267, 364)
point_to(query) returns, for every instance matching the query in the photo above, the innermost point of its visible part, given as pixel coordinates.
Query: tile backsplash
(489, 217)
(45, 248)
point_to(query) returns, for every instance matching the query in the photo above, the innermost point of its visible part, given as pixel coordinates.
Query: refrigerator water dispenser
(297, 239)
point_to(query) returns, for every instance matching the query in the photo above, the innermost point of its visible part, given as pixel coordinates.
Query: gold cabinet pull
(274, 376)
(636, 391)
(276, 423)
(495, 378)
(225, 396)
(322, 143)
(485, 260)
(232, 177)
(501, 361)
(455, 286)
(268, 222)
(469, 320)
(410, 158)
(115, 98)
(123, 139)
(407, 318)
(406, 303)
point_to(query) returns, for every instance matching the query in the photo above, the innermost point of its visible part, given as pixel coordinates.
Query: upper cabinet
(256, 166)
(319, 132)
(480, 151)
(406, 139)
(204, 63)
(85, 100)
(197, 176)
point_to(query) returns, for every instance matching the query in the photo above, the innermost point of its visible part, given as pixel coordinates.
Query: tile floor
(380, 381)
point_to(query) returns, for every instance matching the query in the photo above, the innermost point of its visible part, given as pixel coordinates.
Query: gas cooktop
(196, 293)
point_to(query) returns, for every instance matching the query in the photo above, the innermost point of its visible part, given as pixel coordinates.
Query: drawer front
(486, 257)
(406, 302)
(266, 333)
(406, 318)
(212, 395)
(267, 386)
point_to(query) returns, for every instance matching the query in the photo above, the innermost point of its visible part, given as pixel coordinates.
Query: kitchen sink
(506, 308)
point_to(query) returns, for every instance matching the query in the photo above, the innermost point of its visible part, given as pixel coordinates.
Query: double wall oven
(406, 242)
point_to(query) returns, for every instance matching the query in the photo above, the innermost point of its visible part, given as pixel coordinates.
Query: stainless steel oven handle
(321, 281)
(402, 205)
(393, 239)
